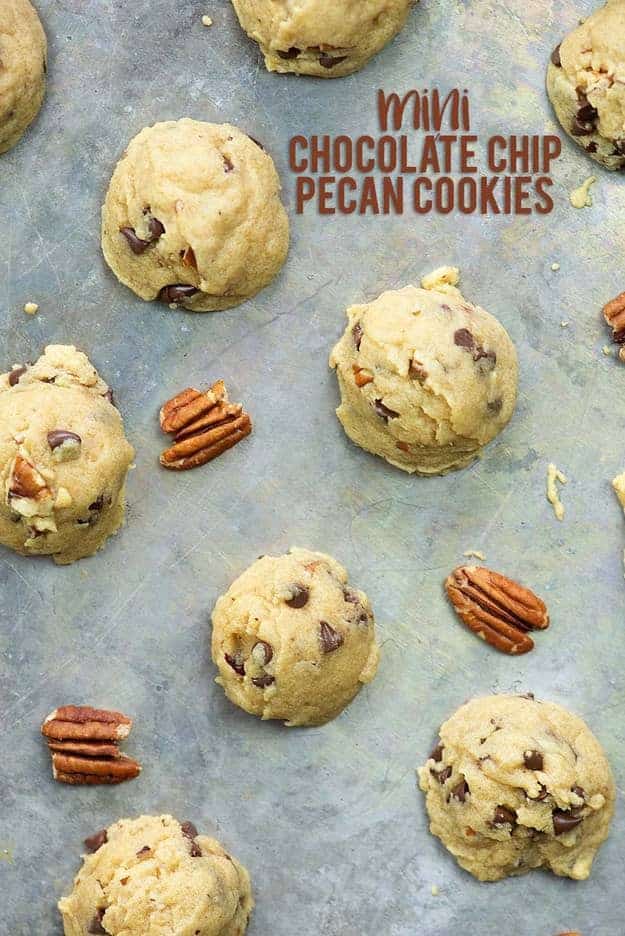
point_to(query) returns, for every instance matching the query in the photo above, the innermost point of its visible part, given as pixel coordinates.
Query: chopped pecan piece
(84, 744)
(614, 314)
(362, 377)
(495, 608)
(25, 481)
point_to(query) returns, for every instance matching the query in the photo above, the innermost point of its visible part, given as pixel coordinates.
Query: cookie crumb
(207, 21)
(31, 308)
(435, 891)
(443, 279)
(474, 554)
(564, 324)
(555, 267)
(555, 475)
(607, 350)
(580, 197)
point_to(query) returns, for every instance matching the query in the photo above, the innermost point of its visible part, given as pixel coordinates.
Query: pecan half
(495, 608)
(203, 426)
(614, 314)
(84, 745)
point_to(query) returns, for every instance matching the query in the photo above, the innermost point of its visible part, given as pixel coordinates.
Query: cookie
(63, 458)
(292, 640)
(516, 784)
(586, 84)
(326, 38)
(23, 66)
(427, 379)
(156, 875)
(193, 216)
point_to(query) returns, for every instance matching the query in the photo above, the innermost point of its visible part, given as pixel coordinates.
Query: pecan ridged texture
(84, 743)
(496, 608)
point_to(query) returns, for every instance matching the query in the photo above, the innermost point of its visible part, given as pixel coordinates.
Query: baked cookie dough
(426, 377)
(326, 38)
(23, 65)
(154, 875)
(193, 216)
(516, 784)
(586, 84)
(292, 640)
(63, 458)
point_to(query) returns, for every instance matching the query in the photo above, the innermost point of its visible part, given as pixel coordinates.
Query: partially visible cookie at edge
(23, 67)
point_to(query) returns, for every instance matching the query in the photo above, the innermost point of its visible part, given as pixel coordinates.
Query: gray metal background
(329, 821)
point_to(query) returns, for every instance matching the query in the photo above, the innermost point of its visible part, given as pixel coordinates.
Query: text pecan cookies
(156, 875)
(63, 458)
(292, 640)
(516, 784)
(23, 66)
(84, 743)
(193, 216)
(426, 377)
(326, 38)
(586, 84)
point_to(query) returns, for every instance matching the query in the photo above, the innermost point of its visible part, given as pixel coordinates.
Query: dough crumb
(564, 324)
(31, 308)
(619, 488)
(555, 475)
(207, 21)
(474, 554)
(580, 197)
(443, 279)
(435, 890)
(607, 350)
(555, 267)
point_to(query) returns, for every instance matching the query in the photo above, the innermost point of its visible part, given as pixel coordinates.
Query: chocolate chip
(97, 840)
(357, 333)
(330, 639)
(262, 653)
(189, 831)
(555, 56)
(533, 760)
(579, 791)
(299, 596)
(60, 436)
(328, 61)
(16, 373)
(416, 371)
(143, 851)
(350, 596)
(619, 147)
(263, 681)
(504, 816)
(587, 113)
(591, 147)
(177, 292)
(437, 753)
(287, 54)
(443, 776)
(384, 411)
(135, 243)
(564, 821)
(486, 360)
(464, 339)
(460, 791)
(156, 229)
(228, 167)
(236, 662)
(578, 128)
(100, 503)
(96, 924)
(109, 396)
(494, 406)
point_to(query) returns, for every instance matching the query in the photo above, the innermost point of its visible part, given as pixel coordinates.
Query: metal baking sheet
(329, 821)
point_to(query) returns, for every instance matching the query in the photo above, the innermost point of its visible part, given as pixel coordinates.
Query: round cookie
(155, 875)
(23, 65)
(586, 84)
(63, 458)
(516, 784)
(326, 38)
(292, 640)
(426, 378)
(193, 216)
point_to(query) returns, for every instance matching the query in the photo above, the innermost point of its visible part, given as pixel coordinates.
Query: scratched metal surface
(329, 821)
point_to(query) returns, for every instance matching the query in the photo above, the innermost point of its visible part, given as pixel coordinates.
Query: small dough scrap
(586, 84)
(154, 875)
(325, 38)
(581, 197)
(516, 784)
(193, 216)
(23, 67)
(553, 495)
(427, 379)
(292, 640)
(62, 437)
